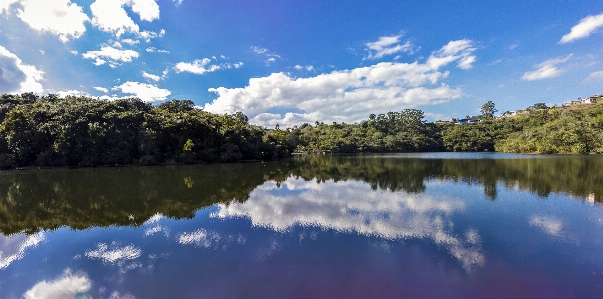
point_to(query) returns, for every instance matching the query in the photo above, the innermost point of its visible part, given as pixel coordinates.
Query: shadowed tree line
(81, 131)
(31, 200)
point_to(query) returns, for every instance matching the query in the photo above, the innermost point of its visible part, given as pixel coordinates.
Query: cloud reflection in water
(13, 247)
(353, 206)
(69, 285)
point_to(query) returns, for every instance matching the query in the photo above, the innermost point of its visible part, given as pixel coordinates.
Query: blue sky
(290, 62)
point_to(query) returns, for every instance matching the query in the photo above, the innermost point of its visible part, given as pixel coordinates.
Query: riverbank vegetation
(82, 131)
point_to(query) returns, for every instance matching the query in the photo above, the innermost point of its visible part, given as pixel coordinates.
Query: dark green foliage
(81, 131)
(404, 131)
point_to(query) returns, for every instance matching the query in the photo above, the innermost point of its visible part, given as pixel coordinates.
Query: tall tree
(488, 110)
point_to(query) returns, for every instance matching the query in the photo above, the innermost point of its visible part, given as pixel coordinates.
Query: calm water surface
(438, 225)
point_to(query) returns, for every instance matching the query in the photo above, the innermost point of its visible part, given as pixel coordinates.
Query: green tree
(488, 110)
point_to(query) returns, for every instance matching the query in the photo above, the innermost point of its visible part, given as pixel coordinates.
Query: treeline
(544, 130)
(82, 131)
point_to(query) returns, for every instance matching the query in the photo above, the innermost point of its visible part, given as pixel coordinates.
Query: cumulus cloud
(60, 17)
(143, 91)
(5, 5)
(583, 29)
(546, 69)
(73, 93)
(347, 95)
(110, 15)
(202, 66)
(151, 76)
(101, 89)
(17, 77)
(113, 55)
(388, 45)
(148, 10)
(68, 285)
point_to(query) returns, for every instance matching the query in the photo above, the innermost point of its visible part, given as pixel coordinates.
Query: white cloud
(202, 66)
(5, 5)
(513, 46)
(74, 93)
(67, 286)
(130, 41)
(461, 50)
(308, 68)
(583, 29)
(546, 69)
(14, 247)
(153, 49)
(17, 77)
(112, 54)
(177, 2)
(110, 16)
(101, 89)
(388, 45)
(595, 76)
(269, 56)
(258, 50)
(148, 35)
(353, 207)
(348, 95)
(60, 17)
(200, 237)
(148, 10)
(143, 91)
(114, 255)
(550, 225)
(74, 52)
(151, 76)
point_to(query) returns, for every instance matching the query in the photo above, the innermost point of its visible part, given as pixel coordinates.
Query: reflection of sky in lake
(353, 207)
(323, 240)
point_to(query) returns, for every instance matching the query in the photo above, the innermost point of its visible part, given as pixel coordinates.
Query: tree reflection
(82, 198)
(579, 176)
(34, 200)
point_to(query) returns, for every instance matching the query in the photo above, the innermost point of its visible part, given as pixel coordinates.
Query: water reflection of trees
(580, 177)
(82, 198)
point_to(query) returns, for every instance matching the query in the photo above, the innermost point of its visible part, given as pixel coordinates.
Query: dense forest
(82, 131)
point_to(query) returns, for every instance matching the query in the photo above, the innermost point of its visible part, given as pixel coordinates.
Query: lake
(430, 225)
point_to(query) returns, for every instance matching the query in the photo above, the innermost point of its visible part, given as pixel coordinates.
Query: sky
(294, 62)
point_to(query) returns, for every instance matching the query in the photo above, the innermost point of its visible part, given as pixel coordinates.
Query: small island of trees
(82, 131)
